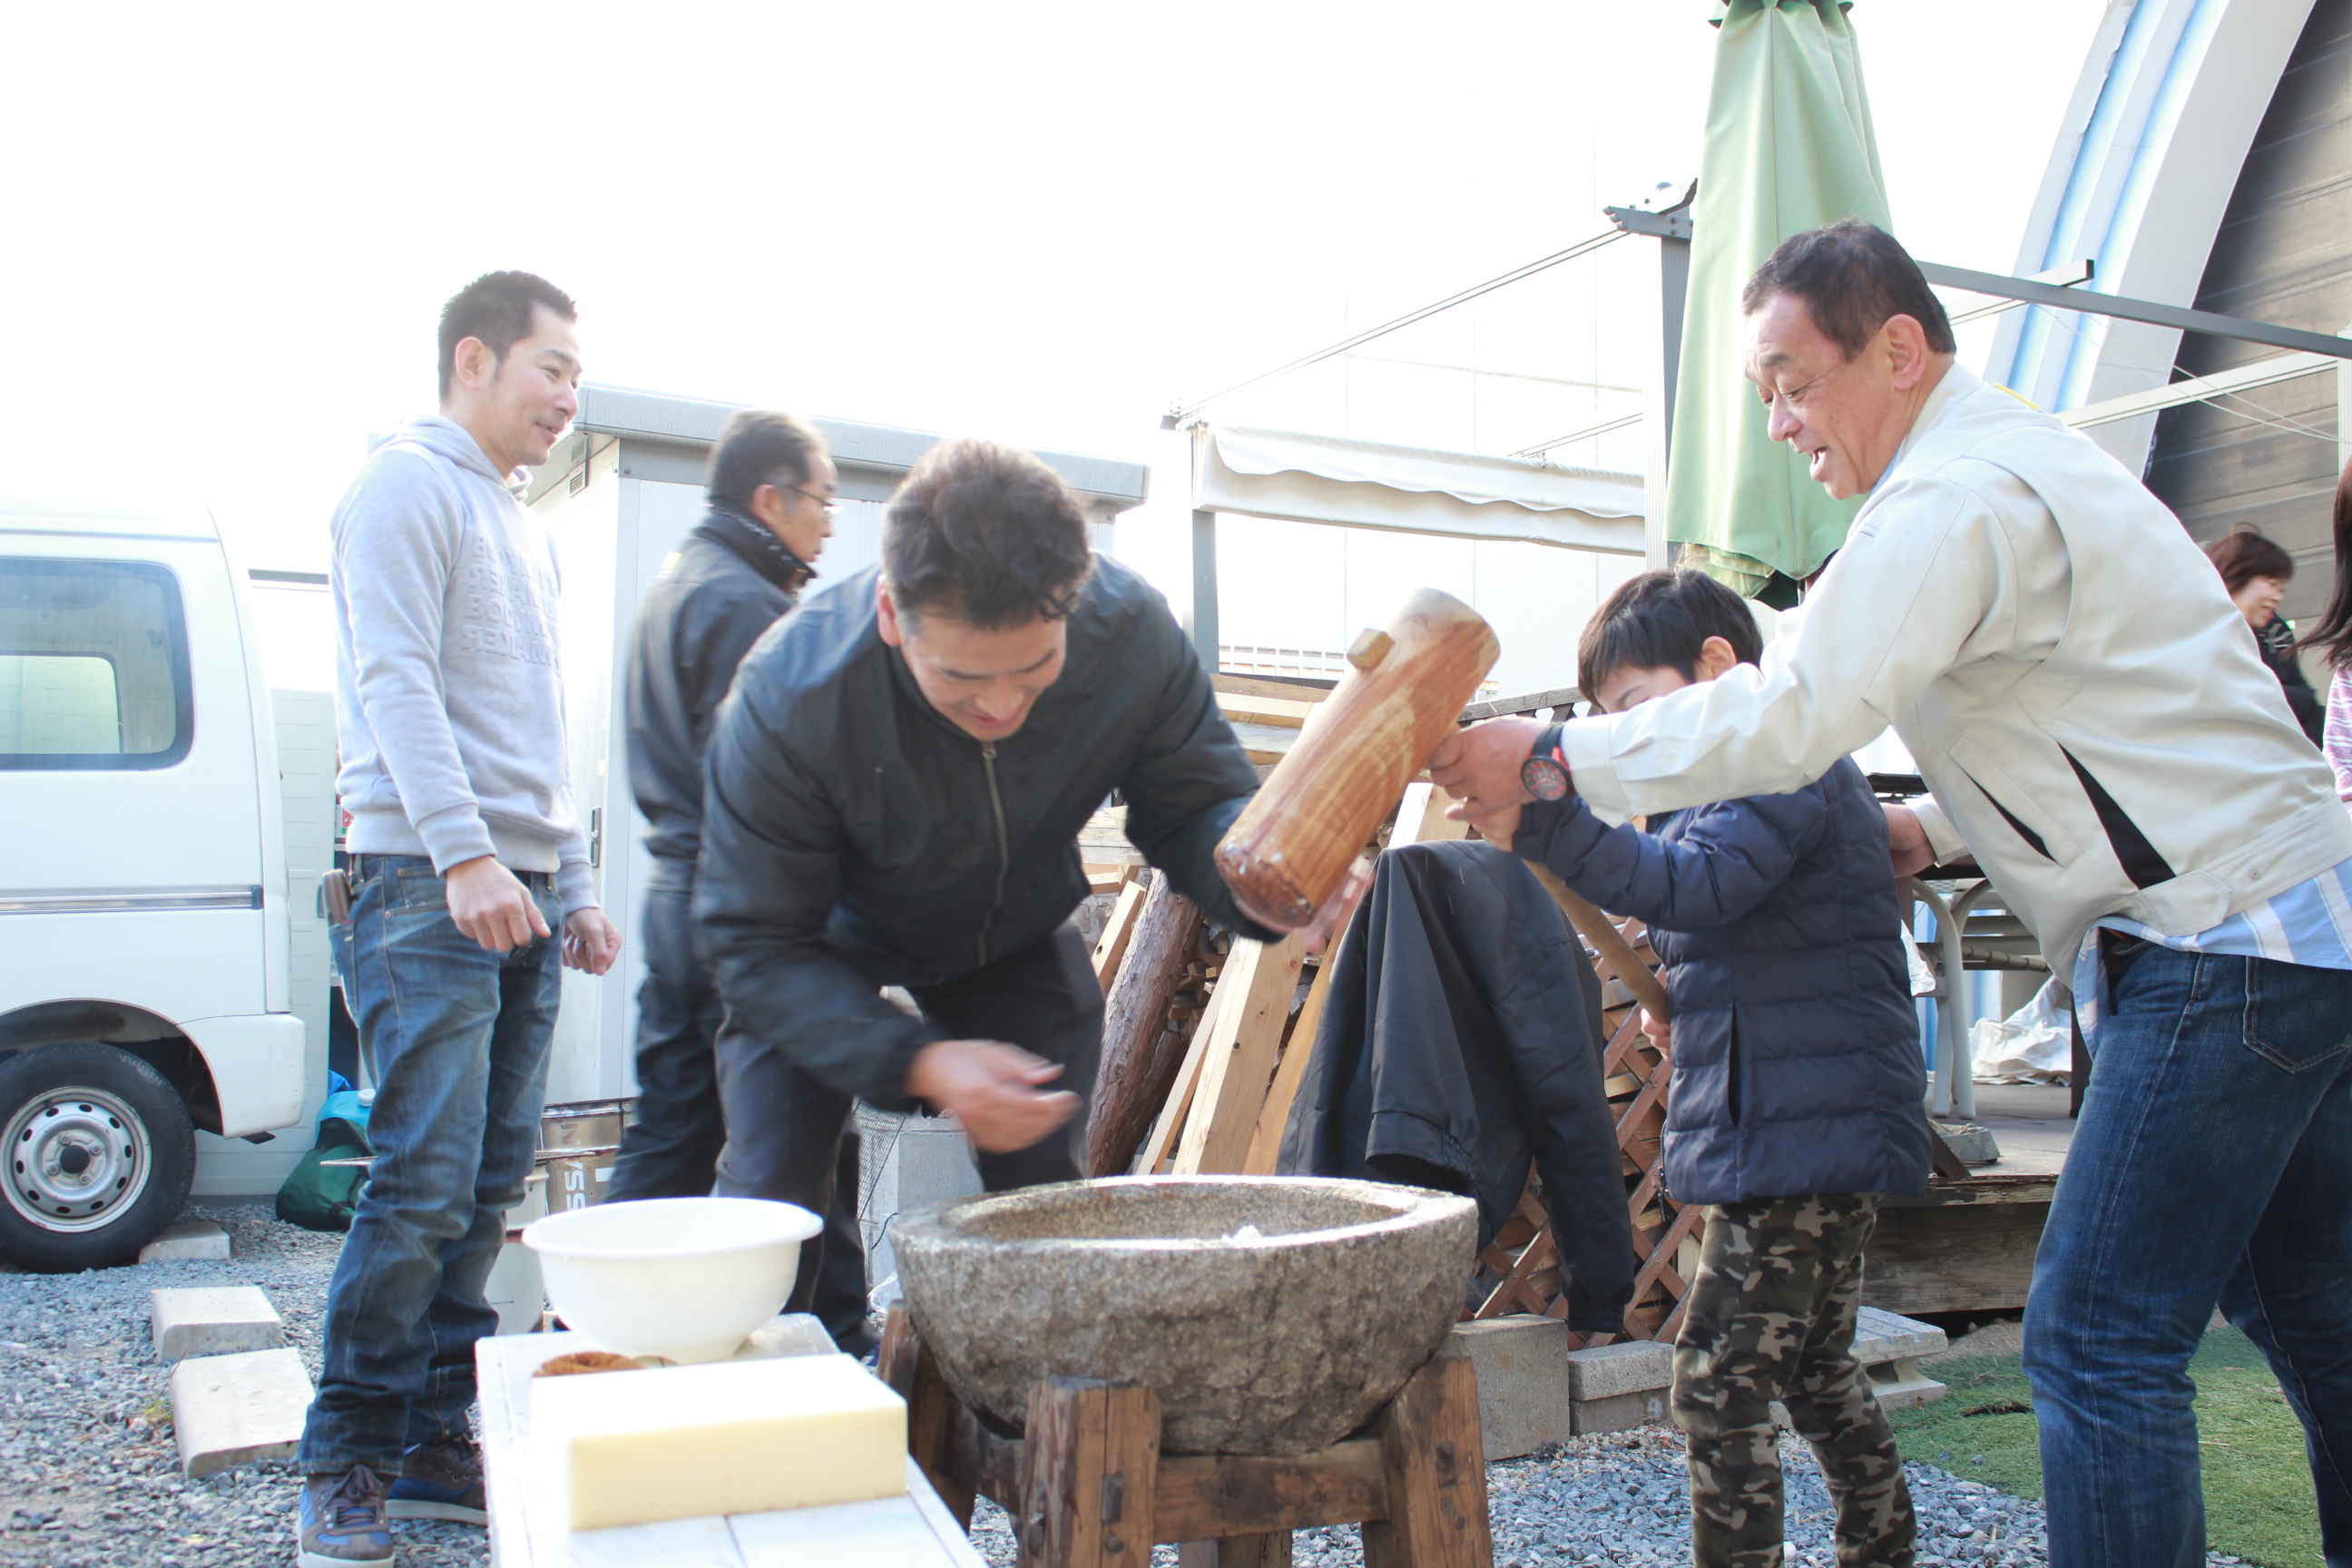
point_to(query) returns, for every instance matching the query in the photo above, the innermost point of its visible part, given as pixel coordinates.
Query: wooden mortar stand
(1088, 1487)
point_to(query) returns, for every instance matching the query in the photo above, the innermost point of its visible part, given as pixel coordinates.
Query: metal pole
(1672, 230)
(1201, 625)
(1964, 1083)
(1947, 973)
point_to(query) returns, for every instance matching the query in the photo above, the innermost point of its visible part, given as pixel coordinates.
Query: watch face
(1544, 778)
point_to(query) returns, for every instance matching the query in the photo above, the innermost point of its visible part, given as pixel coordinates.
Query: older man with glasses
(738, 570)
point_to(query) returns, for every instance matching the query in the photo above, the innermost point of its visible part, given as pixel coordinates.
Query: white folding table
(915, 1530)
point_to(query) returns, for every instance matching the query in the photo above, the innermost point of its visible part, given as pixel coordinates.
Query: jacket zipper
(1003, 849)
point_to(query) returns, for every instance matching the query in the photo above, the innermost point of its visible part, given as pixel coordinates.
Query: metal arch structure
(2157, 129)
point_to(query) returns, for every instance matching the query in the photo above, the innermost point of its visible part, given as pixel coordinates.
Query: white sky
(230, 229)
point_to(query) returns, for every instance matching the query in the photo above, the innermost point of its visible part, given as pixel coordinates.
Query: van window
(93, 665)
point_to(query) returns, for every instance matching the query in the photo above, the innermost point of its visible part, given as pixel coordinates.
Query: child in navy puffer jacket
(1797, 1081)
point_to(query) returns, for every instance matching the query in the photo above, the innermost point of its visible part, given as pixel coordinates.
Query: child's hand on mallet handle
(991, 1089)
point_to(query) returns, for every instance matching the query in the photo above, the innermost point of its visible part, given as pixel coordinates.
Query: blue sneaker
(341, 1521)
(440, 1480)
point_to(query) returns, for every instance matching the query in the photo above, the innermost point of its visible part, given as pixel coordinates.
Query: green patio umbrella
(1789, 148)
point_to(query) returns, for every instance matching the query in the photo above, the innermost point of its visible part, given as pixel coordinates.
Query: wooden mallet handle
(1605, 940)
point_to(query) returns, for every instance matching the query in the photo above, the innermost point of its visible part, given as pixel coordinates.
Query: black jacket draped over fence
(1461, 1039)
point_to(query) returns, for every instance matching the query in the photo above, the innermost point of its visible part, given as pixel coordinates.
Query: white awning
(1411, 489)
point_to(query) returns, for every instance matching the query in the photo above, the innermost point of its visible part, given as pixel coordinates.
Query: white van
(147, 934)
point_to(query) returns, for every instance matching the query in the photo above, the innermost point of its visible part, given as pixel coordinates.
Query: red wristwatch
(1545, 772)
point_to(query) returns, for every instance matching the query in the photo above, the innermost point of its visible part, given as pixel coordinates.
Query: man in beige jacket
(2096, 727)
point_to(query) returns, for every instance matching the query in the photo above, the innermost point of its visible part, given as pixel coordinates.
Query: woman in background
(2255, 571)
(2333, 637)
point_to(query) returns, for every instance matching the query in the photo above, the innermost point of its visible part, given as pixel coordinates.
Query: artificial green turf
(2258, 1502)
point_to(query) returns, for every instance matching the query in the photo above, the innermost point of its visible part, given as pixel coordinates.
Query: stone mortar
(1280, 1342)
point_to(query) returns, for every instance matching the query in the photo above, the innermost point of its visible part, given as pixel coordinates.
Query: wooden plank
(1203, 1496)
(1432, 1458)
(1111, 946)
(1421, 817)
(1514, 1292)
(1139, 1055)
(1304, 689)
(1266, 1142)
(1129, 1490)
(1966, 1257)
(987, 1461)
(1979, 1189)
(1284, 712)
(1259, 981)
(931, 1409)
(1170, 1125)
(1264, 743)
(1522, 702)
(1090, 1475)
(1269, 1551)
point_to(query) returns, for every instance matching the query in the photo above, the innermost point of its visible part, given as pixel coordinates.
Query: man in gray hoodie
(468, 857)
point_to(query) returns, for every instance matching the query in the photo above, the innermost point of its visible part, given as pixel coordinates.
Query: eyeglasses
(832, 508)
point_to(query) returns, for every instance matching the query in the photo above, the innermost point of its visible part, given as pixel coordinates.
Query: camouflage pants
(1772, 1316)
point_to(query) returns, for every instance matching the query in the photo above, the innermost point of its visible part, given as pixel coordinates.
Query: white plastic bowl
(682, 1278)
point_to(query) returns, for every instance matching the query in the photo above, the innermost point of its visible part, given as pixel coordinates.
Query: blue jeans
(457, 1037)
(2211, 1165)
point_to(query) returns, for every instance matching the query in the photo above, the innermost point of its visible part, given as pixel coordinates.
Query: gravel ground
(1624, 1501)
(89, 1478)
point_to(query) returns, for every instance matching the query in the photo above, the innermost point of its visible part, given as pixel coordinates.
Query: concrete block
(230, 1410)
(214, 1322)
(1628, 1366)
(191, 1240)
(1523, 1394)
(1622, 1386)
(1903, 1385)
(1620, 1412)
(1888, 1347)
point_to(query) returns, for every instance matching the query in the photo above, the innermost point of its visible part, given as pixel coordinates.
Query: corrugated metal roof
(633, 415)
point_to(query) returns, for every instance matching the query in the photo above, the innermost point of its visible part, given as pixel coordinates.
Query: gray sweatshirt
(449, 690)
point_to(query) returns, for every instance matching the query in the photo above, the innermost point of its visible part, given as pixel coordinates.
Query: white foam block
(725, 1438)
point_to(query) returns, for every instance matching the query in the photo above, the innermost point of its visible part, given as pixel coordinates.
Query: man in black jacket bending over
(739, 570)
(894, 796)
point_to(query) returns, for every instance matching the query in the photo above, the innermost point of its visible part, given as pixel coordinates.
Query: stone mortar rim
(926, 1228)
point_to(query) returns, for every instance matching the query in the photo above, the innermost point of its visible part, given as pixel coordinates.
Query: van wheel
(96, 1152)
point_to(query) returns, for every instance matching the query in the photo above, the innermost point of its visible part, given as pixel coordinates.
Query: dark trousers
(1772, 1316)
(672, 1149)
(785, 1129)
